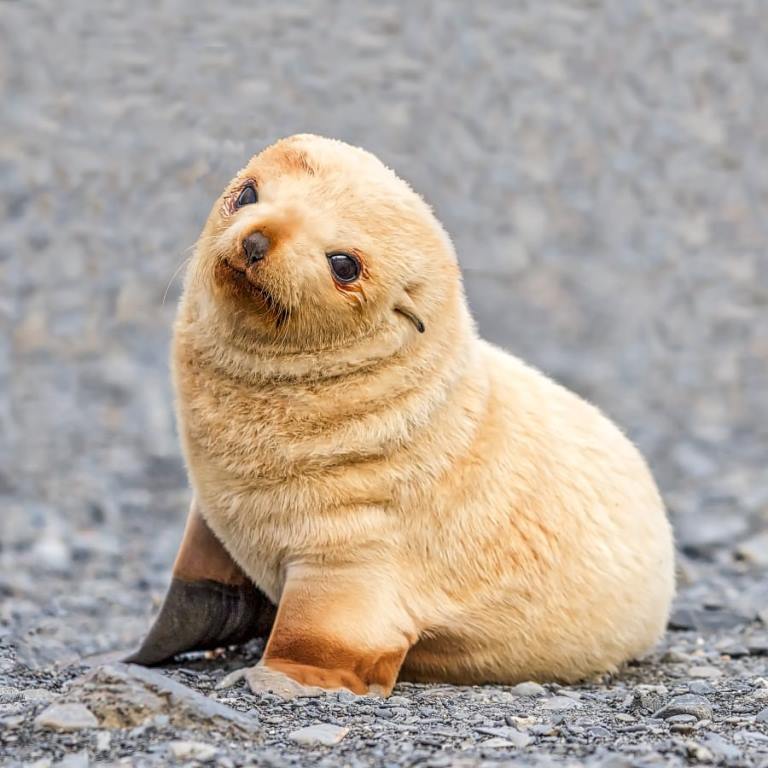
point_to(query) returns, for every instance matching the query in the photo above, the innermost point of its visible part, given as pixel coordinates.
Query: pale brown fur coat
(423, 499)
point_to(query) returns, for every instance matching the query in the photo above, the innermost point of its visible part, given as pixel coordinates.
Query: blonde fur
(400, 495)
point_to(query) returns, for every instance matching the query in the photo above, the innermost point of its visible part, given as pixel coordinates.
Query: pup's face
(316, 243)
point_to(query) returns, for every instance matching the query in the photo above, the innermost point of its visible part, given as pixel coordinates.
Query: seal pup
(417, 503)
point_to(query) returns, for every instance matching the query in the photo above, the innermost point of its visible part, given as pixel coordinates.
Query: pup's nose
(255, 247)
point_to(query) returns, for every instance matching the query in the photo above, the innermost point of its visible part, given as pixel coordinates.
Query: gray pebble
(720, 747)
(321, 733)
(528, 689)
(677, 719)
(511, 735)
(192, 750)
(560, 702)
(75, 760)
(757, 645)
(704, 672)
(699, 752)
(66, 717)
(734, 650)
(688, 704)
(103, 741)
(755, 549)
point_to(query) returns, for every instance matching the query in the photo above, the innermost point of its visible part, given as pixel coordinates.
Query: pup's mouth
(239, 278)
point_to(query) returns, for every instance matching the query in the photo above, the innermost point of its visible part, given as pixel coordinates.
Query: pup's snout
(255, 247)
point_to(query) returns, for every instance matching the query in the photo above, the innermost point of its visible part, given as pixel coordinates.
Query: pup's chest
(292, 473)
(264, 529)
(278, 490)
(269, 527)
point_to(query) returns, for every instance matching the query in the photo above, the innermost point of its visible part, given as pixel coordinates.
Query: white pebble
(322, 733)
(66, 717)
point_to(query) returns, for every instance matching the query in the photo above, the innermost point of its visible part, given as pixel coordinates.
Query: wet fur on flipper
(203, 615)
(210, 603)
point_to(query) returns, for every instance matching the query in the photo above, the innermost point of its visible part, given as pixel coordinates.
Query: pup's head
(316, 243)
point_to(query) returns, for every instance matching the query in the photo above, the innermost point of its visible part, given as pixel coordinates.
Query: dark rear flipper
(211, 603)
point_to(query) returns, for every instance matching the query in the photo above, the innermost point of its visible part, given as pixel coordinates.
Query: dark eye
(345, 268)
(247, 196)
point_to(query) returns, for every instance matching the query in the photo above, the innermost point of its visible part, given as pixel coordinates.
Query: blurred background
(602, 168)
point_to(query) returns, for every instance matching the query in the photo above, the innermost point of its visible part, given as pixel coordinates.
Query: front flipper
(211, 603)
(336, 629)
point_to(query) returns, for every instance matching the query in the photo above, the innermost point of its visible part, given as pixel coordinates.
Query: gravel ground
(603, 168)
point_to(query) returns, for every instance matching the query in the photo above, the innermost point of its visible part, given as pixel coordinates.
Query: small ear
(405, 306)
(211, 603)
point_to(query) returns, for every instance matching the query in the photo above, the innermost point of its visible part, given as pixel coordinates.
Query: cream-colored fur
(423, 492)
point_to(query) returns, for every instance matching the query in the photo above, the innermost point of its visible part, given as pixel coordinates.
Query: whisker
(173, 277)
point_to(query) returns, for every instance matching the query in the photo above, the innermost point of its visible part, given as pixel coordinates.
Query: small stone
(512, 736)
(524, 723)
(346, 697)
(533, 690)
(733, 649)
(648, 697)
(745, 735)
(39, 695)
(673, 656)
(192, 750)
(762, 716)
(139, 696)
(231, 679)
(557, 703)
(705, 671)
(76, 760)
(599, 732)
(51, 551)
(684, 728)
(700, 687)
(687, 617)
(682, 719)
(699, 752)
(758, 645)
(720, 747)
(755, 549)
(496, 742)
(321, 733)
(103, 740)
(687, 704)
(66, 717)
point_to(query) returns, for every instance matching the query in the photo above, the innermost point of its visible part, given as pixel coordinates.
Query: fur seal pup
(417, 503)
